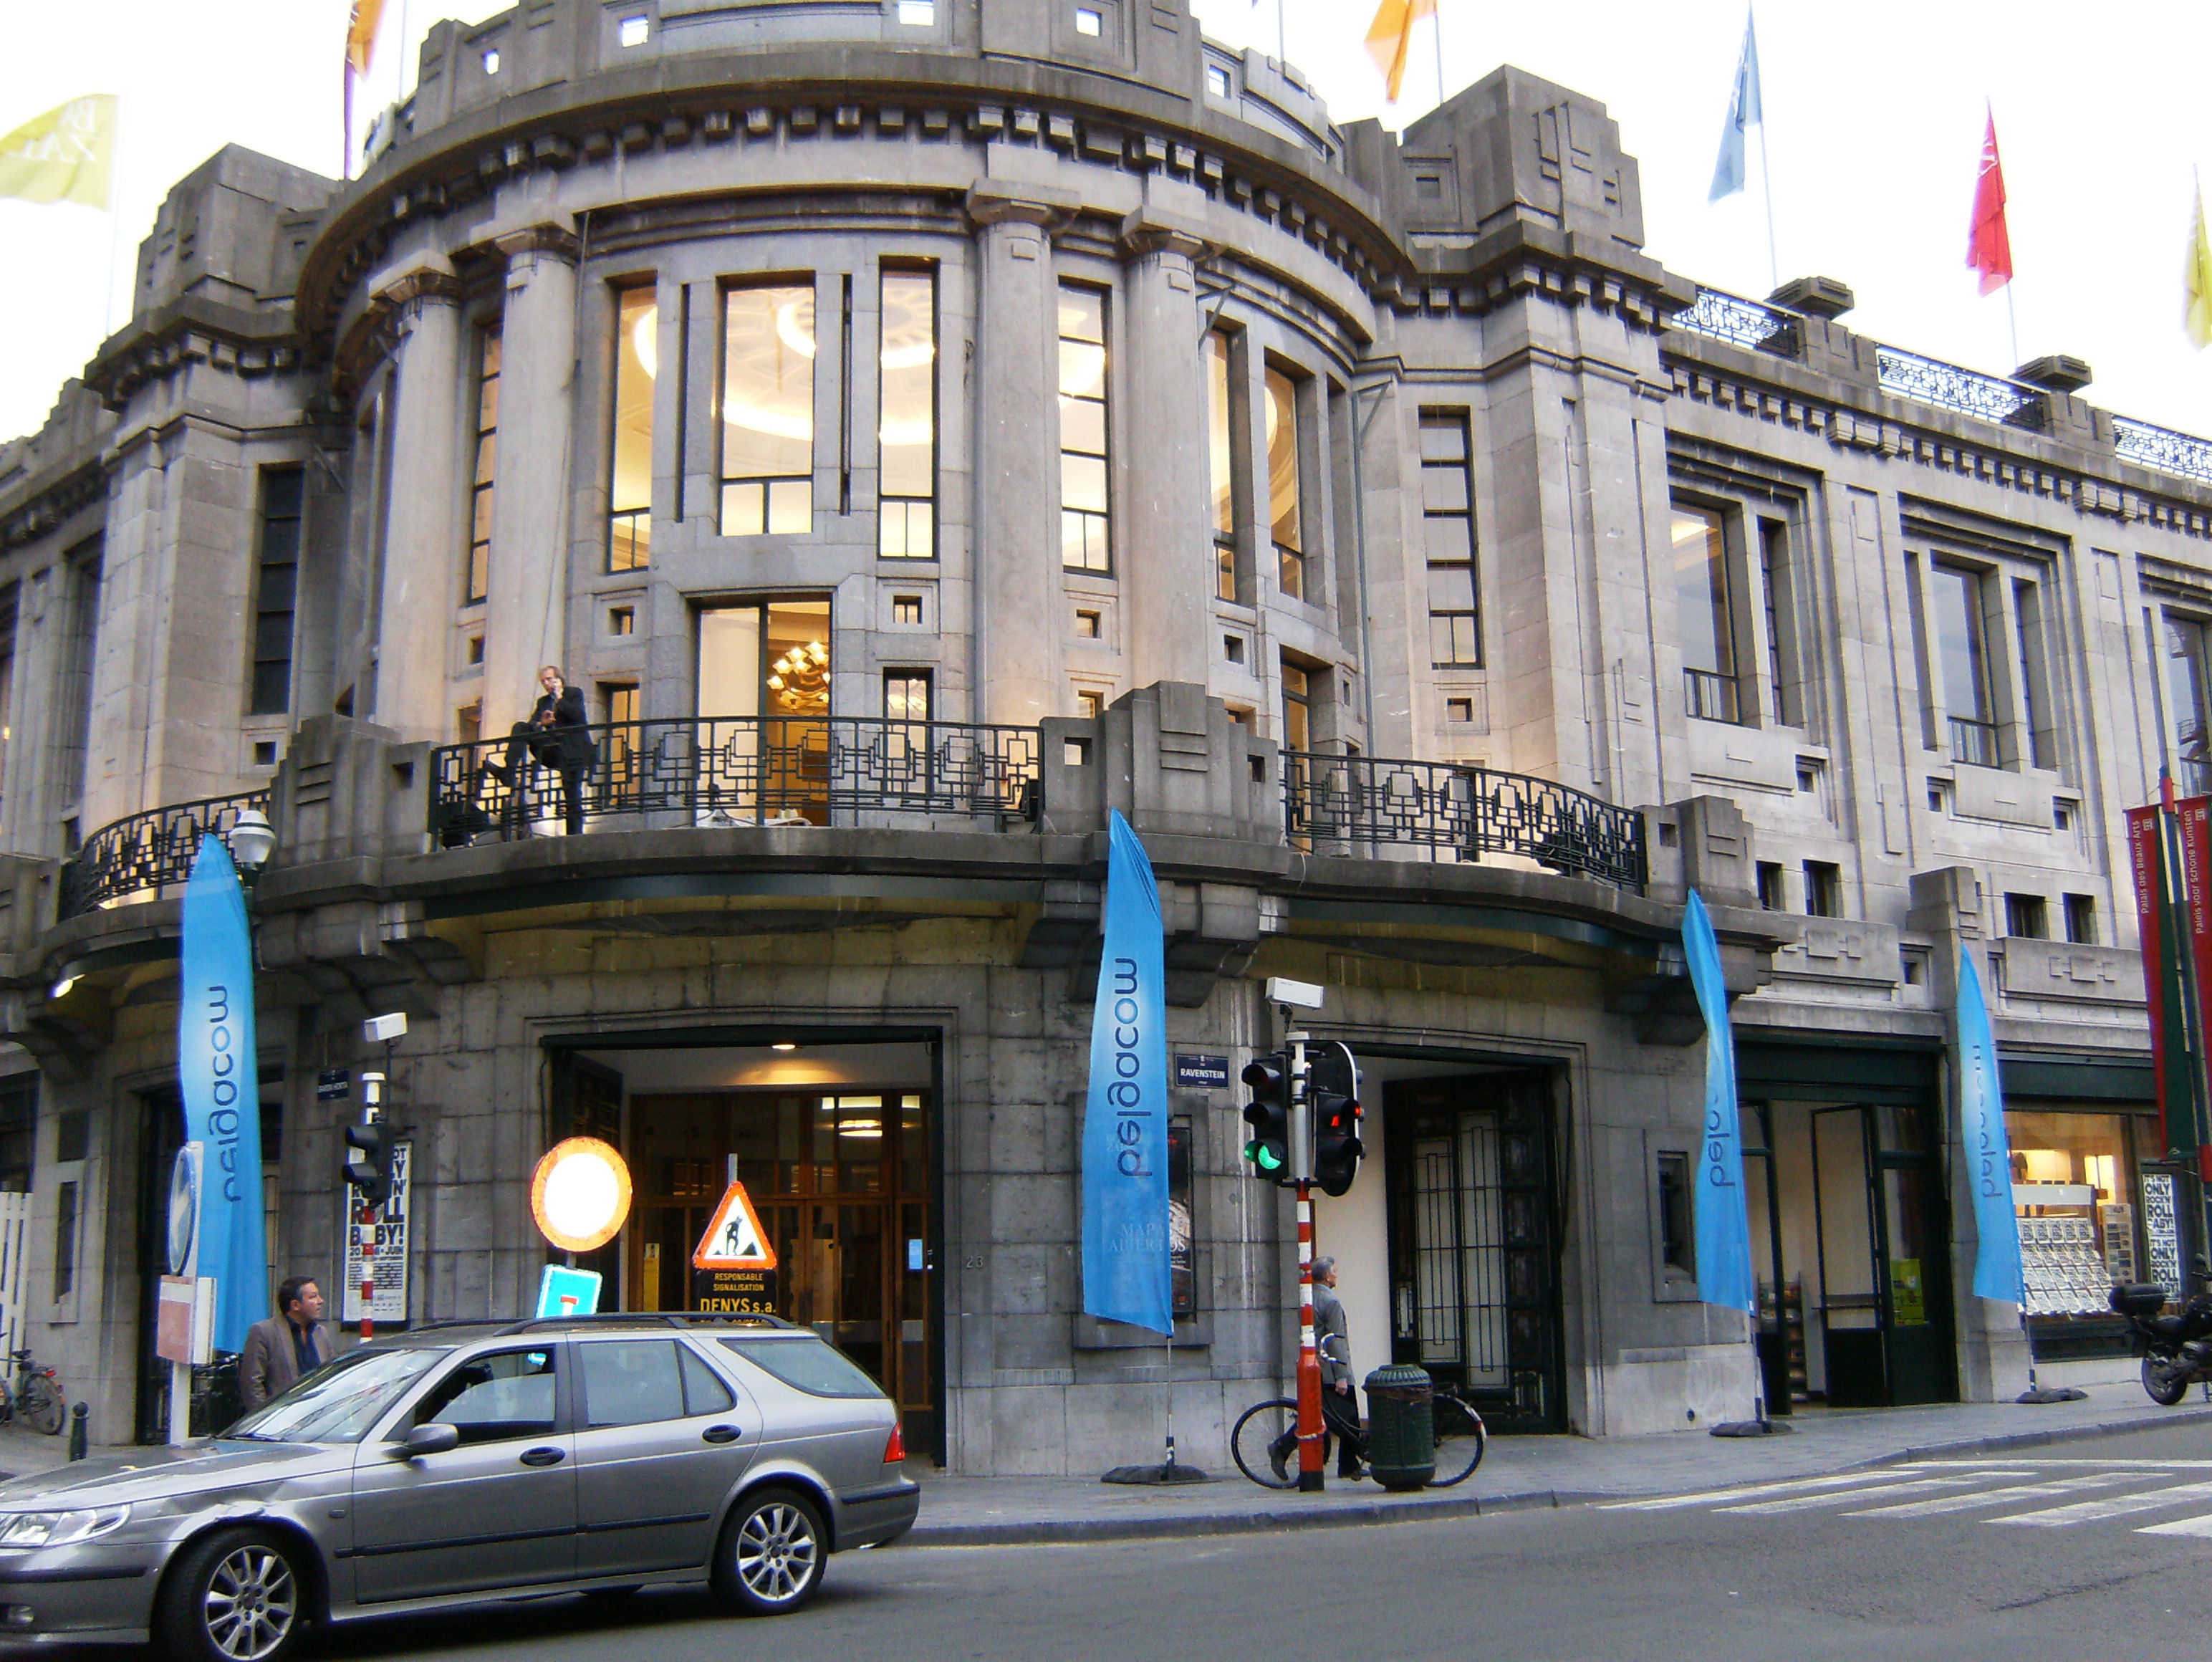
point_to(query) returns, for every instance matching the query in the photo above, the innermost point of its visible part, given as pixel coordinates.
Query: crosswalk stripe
(1993, 1497)
(1807, 1502)
(2180, 1526)
(1747, 1491)
(2089, 1512)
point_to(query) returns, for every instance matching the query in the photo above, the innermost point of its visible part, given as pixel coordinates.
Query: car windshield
(339, 1401)
(808, 1363)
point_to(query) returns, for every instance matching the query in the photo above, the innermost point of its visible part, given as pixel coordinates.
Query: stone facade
(1300, 324)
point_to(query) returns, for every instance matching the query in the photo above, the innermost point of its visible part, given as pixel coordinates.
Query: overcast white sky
(1874, 122)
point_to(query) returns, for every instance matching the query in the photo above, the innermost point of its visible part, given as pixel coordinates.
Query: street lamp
(252, 840)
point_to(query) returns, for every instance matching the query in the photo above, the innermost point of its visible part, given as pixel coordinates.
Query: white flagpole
(115, 223)
(1438, 18)
(1767, 175)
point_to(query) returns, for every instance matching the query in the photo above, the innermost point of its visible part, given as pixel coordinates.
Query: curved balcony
(144, 856)
(1351, 805)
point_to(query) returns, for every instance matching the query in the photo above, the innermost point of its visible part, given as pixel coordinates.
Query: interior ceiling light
(783, 1047)
(645, 341)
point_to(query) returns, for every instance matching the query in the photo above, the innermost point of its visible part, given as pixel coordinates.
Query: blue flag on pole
(1723, 1230)
(1125, 1123)
(218, 1075)
(1989, 1156)
(1743, 114)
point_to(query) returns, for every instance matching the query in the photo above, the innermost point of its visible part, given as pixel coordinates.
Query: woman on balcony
(556, 736)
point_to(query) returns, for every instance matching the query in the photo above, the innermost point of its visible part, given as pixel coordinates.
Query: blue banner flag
(1989, 1156)
(218, 1075)
(1125, 1123)
(1743, 114)
(1723, 1230)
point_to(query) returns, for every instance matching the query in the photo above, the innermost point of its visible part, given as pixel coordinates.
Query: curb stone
(1271, 1517)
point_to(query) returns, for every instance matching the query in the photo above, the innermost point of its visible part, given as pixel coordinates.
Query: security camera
(1281, 989)
(382, 1029)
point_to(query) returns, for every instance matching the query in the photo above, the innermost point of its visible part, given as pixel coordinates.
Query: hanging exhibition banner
(1723, 1230)
(218, 1075)
(1988, 1156)
(390, 1309)
(1126, 1274)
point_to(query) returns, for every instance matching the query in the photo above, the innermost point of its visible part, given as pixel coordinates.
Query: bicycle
(35, 1397)
(1265, 1442)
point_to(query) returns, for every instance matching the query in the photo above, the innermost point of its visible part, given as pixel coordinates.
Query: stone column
(1165, 550)
(423, 540)
(526, 614)
(1014, 392)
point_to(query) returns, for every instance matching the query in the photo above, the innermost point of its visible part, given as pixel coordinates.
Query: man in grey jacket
(1340, 1403)
(288, 1344)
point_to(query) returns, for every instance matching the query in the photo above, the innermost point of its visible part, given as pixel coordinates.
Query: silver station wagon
(459, 1464)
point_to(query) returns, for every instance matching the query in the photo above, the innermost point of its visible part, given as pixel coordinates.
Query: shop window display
(2074, 1190)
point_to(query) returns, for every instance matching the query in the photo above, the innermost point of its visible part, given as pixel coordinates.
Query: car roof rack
(678, 1318)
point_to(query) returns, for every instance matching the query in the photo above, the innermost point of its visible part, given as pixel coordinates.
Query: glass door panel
(1851, 1304)
(725, 740)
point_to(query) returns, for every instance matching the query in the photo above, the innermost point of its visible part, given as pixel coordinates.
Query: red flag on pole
(1988, 245)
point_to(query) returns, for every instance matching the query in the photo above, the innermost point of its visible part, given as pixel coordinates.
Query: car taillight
(894, 1449)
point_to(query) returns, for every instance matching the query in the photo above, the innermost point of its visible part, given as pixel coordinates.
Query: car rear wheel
(236, 1596)
(772, 1553)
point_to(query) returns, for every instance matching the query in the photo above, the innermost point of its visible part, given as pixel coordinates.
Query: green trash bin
(1402, 1426)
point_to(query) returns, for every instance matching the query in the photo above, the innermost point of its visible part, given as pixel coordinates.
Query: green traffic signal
(1268, 1114)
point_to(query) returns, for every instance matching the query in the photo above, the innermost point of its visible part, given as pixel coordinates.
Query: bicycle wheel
(43, 1409)
(1461, 1441)
(1266, 1443)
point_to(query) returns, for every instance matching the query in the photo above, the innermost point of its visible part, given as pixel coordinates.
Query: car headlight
(59, 1528)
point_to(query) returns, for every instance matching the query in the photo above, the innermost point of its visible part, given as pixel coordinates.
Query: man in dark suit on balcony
(558, 735)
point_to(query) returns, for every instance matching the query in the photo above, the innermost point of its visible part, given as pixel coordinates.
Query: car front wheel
(236, 1596)
(772, 1553)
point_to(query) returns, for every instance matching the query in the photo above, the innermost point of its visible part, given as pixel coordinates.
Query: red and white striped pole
(1313, 1433)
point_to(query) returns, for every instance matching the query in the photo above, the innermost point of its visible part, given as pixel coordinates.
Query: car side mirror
(435, 1438)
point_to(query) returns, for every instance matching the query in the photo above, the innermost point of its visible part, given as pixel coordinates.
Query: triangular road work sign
(735, 1239)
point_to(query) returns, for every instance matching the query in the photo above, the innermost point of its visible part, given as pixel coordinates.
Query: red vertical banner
(2145, 858)
(2195, 815)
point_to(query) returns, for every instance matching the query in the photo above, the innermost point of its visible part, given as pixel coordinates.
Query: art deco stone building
(920, 427)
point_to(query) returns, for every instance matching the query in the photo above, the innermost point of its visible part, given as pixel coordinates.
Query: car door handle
(543, 1457)
(719, 1435)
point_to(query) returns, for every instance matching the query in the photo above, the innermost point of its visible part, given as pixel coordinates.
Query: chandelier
(800, 680)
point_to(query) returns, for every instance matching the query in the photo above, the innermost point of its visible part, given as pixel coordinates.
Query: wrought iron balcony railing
(2161, 448)
(1969, 391)
(1355, 804)
(148, 854)
(1742, 323)
(740, 770)
(1975, 743)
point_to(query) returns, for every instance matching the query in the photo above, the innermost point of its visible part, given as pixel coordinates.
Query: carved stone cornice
(1146, 231)
(424, 282)
(1001, 202)
(190, 330)
(546, 239)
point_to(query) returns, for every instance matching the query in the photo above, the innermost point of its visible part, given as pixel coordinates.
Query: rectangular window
(1227, 460)
(1775, 577)
(1771, 897)
(630, 488)
(906, 609)
(1090, 705)
(1704, 615)
(64, 1240)
(1085, 542)
(2025, 917)
(10, 599)
(276, 588)
(906, 694)
(621, 705)
(2037, 708)
(81, 648)
(18, 1130)
(1297, 709)
(1087, 625)
(1285, 484)
(1677, 1239)
(1824, 889)
(1448, 520)
(487, 456)
(2081, 919)
(907, 417)
(768, 410)
(2189, 698)
(1954, 603)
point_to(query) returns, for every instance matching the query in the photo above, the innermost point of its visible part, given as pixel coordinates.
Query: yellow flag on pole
(1390, 38)
(67, 155)
(361, 35)
(2196, 280)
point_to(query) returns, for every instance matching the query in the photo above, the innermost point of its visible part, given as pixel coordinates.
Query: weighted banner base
(1169, 1473)
(2052, 1394)
(1752, 1429)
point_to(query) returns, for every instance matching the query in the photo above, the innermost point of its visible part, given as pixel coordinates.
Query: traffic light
(1268, 1114)
(1336, 1113)
(368, 1161)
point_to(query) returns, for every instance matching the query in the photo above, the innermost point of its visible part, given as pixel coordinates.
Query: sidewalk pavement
(1522, 1472)
(1517, 1474)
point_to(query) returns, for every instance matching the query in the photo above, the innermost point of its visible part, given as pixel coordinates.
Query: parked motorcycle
(2177, 1349)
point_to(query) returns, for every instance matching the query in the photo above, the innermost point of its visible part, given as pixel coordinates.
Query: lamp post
(253, 839)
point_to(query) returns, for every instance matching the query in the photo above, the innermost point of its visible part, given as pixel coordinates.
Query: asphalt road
(1798, 1576)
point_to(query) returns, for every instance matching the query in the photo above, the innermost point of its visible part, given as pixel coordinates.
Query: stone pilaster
(1166, 552)
(1019, 596)
(423, 540)
(530, 527)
